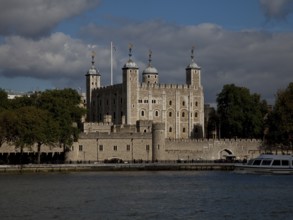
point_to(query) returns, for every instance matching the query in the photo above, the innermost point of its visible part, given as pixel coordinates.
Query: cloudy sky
(47, 44)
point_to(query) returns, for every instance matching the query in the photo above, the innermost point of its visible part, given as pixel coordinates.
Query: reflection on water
(146, 195)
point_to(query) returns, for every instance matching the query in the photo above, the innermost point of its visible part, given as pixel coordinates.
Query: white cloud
(276, 9)
(37, 17)
(255, 59)
(56, 56)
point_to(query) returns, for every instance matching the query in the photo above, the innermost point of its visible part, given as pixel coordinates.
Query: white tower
(150, 74)
(93, 82)
(193, 72)
(130, 88)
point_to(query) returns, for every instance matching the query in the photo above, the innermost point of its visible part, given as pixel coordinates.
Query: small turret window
(156, 113)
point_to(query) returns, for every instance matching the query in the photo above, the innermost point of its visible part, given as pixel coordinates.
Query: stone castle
(149, 121)
(143, 121)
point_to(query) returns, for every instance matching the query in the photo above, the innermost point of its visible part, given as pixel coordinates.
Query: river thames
(146, 195)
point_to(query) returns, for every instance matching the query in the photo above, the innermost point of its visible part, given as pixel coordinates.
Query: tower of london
(141, 100)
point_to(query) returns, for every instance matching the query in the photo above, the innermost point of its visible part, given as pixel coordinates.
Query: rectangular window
(285, 162)
(128, 147)
(257, 162)
(101, 147)
(147, 147)
(266, 162)
(80, 147)
(276, 163)
(115, 148)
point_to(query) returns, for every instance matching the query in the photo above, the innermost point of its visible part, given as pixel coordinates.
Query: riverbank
(45, 168)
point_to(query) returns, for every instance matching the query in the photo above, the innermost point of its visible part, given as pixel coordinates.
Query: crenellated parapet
(167, 86)
(205, 140)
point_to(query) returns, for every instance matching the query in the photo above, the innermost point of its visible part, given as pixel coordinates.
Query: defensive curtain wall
(129, 144)
(154, 146)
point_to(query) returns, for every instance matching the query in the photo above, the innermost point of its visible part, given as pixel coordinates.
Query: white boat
(268, 163)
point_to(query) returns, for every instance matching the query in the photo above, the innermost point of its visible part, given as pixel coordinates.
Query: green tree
(212, 124)
(8, 120)
(29, 126)
(241, 114)
(280, 120)
(22, 101)
(3, 100)
(64, 105)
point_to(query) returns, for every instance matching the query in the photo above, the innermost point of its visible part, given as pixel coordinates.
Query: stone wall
(148, 147)
(209, 149)
(151, 147)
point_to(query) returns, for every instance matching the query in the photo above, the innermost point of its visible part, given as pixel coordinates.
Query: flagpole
(111, 63)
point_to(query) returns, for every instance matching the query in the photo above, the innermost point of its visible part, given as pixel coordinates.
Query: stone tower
(158, 141)
(193, 72)
(130, 87)
(150, 74)
(93, 81)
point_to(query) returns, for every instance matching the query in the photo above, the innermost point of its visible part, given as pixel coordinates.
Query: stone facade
(154, 146)
(150, 121)
(179, 107)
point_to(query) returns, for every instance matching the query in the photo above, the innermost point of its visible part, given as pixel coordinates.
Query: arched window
(156, 113)
(183, 114)
(170, 102)
(170, 129)
(195, 114)
(183, 103)
(170, 114)
(142, 113)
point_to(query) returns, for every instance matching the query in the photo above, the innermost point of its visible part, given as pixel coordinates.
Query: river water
(146, 195)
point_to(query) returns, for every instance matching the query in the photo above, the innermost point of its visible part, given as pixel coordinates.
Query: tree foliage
(280, 119)
(49, 118)
(3, 100)
(64, 105)
(240, 113)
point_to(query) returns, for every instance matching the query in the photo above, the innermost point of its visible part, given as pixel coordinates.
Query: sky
(48, 44)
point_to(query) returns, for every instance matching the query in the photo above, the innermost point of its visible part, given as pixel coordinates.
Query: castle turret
(130, 87)
(93, 81)
(150, 74)
(158, 141)
(193, 72)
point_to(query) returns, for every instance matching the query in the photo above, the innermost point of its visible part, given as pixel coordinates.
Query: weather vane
(192, 52)
(93, 57)
(130, 50)
(150, 57)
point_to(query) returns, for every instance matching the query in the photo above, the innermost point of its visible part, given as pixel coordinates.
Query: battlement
(167, 86)
(204, 140)
(91, 127)
(102, 135)
(110, 87)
